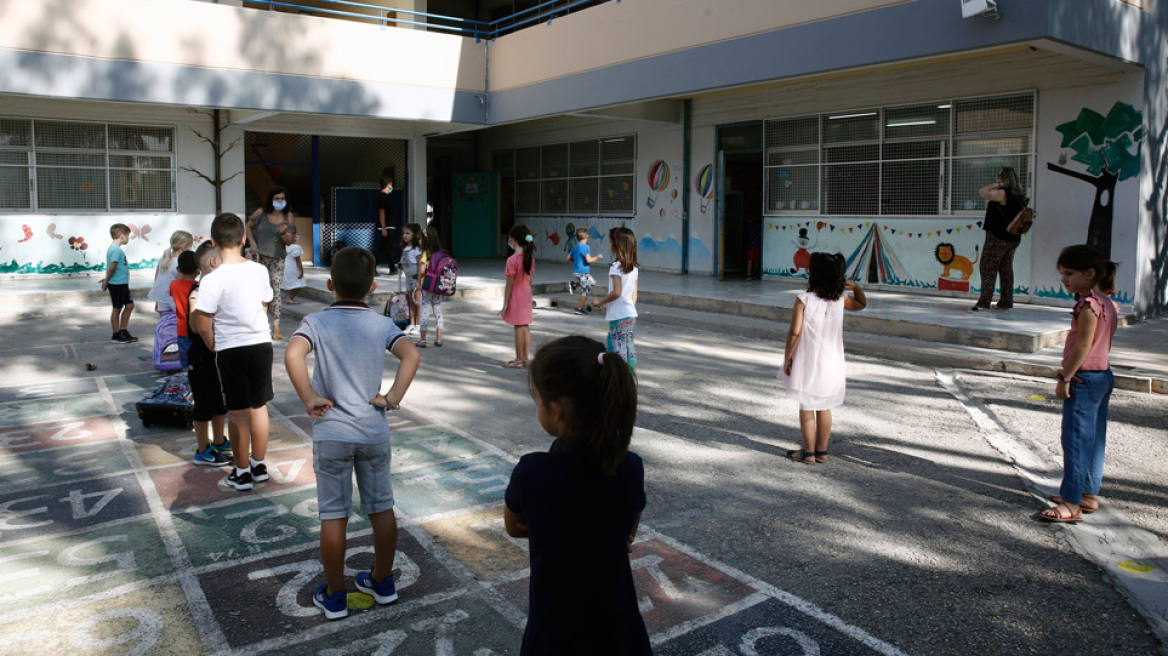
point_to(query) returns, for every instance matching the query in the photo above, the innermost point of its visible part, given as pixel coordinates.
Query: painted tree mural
(1110, 148)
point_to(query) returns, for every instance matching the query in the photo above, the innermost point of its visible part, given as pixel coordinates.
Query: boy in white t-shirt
(233, 321)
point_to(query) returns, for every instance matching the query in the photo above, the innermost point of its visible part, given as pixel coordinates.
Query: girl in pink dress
(813, 364)
(517, 297)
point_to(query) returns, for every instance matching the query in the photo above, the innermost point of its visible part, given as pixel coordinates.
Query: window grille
(926, 159)
(50, 166)
(582, 177)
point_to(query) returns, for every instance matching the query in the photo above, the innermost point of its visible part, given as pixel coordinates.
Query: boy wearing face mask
(269, 232)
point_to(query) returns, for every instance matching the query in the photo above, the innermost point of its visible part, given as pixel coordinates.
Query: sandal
(514, 364)
(821, 456)
(421, 344)
(1055, 514)
(799, 455)
(438, 343)
(1087, 510)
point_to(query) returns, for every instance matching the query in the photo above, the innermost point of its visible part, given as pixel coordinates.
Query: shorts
(205, 389)
(120, 295)
(753, 254)
(184, 348)
(245, 372)
(583, 281)
(334, 463)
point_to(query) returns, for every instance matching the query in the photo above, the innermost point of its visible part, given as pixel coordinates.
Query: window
(591, 177)
(927, 159)
(67, 166)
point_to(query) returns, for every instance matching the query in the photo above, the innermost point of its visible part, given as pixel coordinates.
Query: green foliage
(1110, 143)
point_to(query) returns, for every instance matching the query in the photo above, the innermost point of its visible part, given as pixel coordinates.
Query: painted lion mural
(949, 258)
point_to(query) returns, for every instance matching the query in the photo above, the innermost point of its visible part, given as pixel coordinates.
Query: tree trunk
(1102, 214)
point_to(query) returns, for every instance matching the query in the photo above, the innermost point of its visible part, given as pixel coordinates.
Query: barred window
(591, 177)
(63, 166)
(927, 159)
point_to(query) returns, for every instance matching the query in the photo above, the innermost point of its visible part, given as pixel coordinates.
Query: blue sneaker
(383, 593)
(225, 447)
(212, 457)
(334, 607)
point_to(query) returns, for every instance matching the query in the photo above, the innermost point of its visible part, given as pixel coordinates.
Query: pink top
(1108, 313)
(519, 304)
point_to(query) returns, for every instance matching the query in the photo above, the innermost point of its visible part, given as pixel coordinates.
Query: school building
(711, 128)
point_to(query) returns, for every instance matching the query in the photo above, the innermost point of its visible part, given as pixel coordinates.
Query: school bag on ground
(441, 276)
(170, 403)
(166, 343)
(397, 308)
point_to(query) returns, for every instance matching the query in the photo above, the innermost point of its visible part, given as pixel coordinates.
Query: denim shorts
(334, 464)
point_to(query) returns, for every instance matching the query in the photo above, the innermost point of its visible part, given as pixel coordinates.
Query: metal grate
(584, 159)
(527, 163)
(554, 196)
(617, 194)
(582, 195)
(618, 156)
(995, 114)
(527, 198)
(582, 177)
(553, 161)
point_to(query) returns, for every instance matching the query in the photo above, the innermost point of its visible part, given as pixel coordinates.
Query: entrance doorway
(740, 201)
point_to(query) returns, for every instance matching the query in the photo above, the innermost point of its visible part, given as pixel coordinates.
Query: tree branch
(198, 173)
(234, 175)
(1096, 181)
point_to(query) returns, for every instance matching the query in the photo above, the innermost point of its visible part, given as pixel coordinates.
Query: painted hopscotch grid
(120, 545)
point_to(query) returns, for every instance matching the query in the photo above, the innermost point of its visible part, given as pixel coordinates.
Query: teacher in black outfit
(386, 225)
(1005, 200)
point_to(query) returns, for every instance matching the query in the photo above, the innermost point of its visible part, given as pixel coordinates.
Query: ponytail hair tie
(528, 239)
(600, 358)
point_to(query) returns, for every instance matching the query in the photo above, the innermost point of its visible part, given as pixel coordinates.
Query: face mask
(279, 205)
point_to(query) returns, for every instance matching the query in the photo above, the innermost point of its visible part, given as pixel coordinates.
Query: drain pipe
(686, 117)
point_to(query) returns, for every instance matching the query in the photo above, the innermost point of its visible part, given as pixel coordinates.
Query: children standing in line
(293, 270)
(232, 304)
(167, 271)
(117, 282)
(411, 255)
(349, 430)
(431, 302)
(517, 296)
(582, 258)
(1085, 381)
(813, 362)
(213, 450)
(180, 292)
(580, 504)
(622, 295)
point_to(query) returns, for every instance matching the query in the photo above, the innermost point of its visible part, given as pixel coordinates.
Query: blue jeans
(1084, 434)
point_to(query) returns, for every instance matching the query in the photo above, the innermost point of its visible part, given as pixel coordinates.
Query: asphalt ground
(918, 537)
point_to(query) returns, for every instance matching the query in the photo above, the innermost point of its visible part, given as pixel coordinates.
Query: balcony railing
(544, 12)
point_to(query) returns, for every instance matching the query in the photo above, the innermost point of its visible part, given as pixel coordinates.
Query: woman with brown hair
(1005, 199)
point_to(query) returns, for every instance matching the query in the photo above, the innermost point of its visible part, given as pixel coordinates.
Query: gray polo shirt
(350, 341)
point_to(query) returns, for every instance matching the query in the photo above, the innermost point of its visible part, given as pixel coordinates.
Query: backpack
(1021, 223)
(166, 343)
(441, 276)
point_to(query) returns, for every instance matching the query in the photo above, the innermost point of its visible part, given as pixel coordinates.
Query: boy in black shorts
(117, 283)
(202, 374)
(233, 321)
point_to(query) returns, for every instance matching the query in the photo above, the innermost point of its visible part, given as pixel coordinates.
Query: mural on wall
(1110, 148)
(958, 268)
(65, 244)
(704, 184)
(658, 182)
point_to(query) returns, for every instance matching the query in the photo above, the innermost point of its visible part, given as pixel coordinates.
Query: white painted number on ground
(146, 632)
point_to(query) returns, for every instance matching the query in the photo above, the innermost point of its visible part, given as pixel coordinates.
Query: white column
(417, 182)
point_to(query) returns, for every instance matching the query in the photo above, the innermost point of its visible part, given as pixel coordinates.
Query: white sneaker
(412, 330)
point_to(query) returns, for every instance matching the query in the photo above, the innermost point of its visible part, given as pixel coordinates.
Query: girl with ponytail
(580, 503)
(517, 297)
(1085, 381)
(167, 271)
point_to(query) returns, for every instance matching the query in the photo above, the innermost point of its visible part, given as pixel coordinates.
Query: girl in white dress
(293, 280)
(813, 363)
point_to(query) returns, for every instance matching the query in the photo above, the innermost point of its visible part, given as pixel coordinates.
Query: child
(180, 293)
(431, 303)
(1085, 381)
(813, 362)
(517, 296)
(622, 295)
(167, 271)
(349, 430)
(117, 282)
(411, 254)
(580, 504)
(232, 304)
(581, 257)
(203, 376)
(293, 270)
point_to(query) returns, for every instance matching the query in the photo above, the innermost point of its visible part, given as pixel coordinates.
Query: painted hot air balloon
(704, 182)
(658, 180)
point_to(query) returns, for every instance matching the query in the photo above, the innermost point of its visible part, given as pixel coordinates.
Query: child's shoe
(276, 335)
(383, 593)
(580, 311)
(259, 472)
(127, 337)
(241, 481)
(222, 448)
(334, 607)
(212, 457)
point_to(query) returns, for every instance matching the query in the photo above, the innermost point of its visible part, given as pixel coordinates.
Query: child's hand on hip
(316, 406)
(386, 401)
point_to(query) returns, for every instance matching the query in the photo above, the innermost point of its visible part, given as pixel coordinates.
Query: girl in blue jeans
(1085, 381)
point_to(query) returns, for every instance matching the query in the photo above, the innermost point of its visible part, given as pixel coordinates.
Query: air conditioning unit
(987, 8)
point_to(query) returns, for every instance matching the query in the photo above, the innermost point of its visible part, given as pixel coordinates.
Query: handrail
(548, 9)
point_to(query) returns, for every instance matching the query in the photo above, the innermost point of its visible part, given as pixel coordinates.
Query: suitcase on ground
(166, 343)
(397, 308)
(171, 403)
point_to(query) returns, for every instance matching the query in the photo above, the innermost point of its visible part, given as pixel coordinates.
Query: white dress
(817, 376)
(292, 277)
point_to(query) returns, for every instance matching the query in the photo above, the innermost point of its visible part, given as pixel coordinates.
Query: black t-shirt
(383, 203)
(998, 218)
(581, 596)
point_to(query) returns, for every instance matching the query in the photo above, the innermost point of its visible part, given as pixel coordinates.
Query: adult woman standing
(1005, 199)
(269, 232)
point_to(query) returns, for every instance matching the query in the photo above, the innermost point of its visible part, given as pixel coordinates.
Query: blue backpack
(441, 276)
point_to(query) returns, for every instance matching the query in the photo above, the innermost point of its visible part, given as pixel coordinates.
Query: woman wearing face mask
(269, 231)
